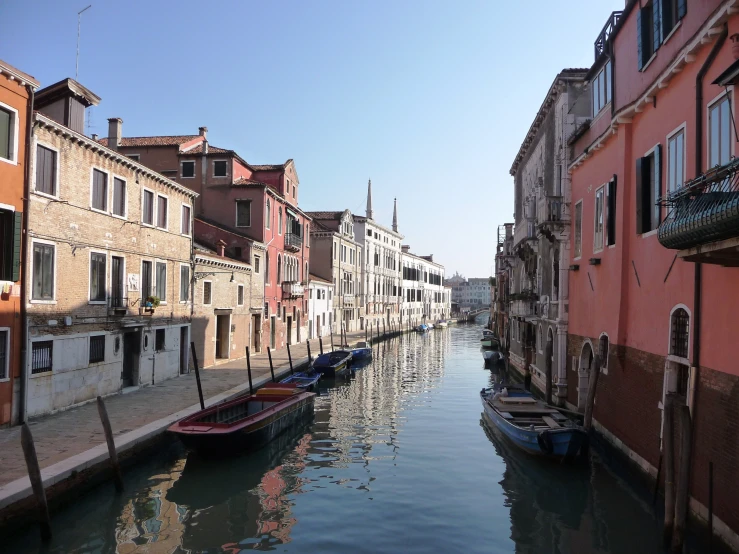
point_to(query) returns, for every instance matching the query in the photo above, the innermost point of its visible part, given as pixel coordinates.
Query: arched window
(279, 269)
(539, 339)
(679, 333)
(555, 274)
(268, 215)
(306, 275)
(603, 348)
(678, 367)
(266, 267)
(279, 221)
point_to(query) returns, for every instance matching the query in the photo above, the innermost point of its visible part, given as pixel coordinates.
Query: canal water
(396, 459)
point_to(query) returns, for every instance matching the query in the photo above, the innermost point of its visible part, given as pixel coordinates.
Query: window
(42, 356)
(268, 217)
(654, 22)
(10, 245)
(145, 280)
(185, 220)
(119, 197)
(279, 221)
(161, 281)
(240, 295)
(603, 351)
(279, 304)
(99, 190)
(578, 229)
(8, 133)
(256, 265)
(220, 168)
(134, 157)
(266, 309)
(679, 333)
(598, 233)
(266, 268)
(369, 232)
(117, 282)
(671, 14)
(159, 340)
(45, 169)
(676, 161)
(4, 353)
(184, 283)
(243, 213)
(719, 132)
(43, 271)
(97, 349)
(147, 209)
(600, 88)
(188, 169)
(611, 212)
(97, 277)
(162, 212)
(648, 191)
(207, 292)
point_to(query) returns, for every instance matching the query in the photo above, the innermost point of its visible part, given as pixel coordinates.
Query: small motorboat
(362, 352)
(442, 324)
(333, 364)
(490, 355)
(532, 425)
(430, 325)
(244, 423)
(423, 328)
(487, 333)
(303, 380)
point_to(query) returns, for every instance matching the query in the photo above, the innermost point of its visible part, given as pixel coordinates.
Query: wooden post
(332, 339)
(710, 507)
(365, 333)
(656, 482)
(248, 370)
(307, 343)
(290, 359)
(592, 385)
(197, 375)
(683, 482)
(667, 447)
(34, 474)
(320, 345)
(383, 328)
(548, 352)
(117, 477)
(271, 367)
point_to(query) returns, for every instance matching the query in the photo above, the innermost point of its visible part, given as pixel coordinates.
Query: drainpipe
(22, 404)
(698, 170)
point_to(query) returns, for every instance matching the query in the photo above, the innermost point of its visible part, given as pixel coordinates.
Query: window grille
(97, 349)
(679, 336)
(42, 356)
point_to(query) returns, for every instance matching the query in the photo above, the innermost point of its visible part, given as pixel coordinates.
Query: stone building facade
(538, 271)
(16, 89)
(109, 244)
(337, 258)
(320, 307)
(423, 296)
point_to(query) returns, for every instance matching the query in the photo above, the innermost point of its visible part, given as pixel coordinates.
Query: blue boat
(532, 425)
(423, 328)
(362, 352)
(333, 364)
(303, 380)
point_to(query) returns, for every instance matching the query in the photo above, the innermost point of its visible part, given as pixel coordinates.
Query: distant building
(473, 293)
(320, 307)
(423, 294)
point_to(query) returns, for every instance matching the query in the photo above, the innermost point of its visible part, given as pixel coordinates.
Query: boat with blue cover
(423, 328)
(531, 424)
(333, 364)
(303, 380)
(362, 352)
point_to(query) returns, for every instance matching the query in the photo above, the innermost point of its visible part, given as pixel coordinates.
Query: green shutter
(667, 18)
(657, 186)
(639, 45)
(640, 163)
(611, 221)
(17, 243)
(657, 24)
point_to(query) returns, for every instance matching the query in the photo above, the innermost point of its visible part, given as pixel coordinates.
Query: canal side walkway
(72, 441)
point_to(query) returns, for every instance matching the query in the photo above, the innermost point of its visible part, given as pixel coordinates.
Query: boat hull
(333, 364)
(361, 354)
(303, 381)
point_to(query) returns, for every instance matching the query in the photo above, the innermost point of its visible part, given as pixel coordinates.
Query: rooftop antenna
(77, 61)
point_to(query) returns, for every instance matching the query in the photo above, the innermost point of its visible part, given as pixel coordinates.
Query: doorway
(272, 324)
(184, 335)
(257, 331)
(289, 329)
(222, 331)
(297, 327)
(131, 351)
(583, 375)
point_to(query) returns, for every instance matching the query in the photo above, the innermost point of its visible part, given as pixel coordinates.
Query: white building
(473, 293)
(381, 275)
(320, 307)
(424, 296)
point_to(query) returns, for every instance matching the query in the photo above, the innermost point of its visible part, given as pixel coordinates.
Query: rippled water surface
(397, 459)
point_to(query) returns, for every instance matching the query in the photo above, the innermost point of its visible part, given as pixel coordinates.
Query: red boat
(246, 422)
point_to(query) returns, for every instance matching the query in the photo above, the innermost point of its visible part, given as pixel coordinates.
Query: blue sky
(430, 100)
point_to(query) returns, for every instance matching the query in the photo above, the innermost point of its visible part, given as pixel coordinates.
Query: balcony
(523, 308)
(292, 289)
(526, 230)
(293, 242)
(348, 300)
(703, 219)
(602, 41)
(117, 306)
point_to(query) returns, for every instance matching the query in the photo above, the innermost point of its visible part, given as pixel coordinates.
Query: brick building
(108, 240)
(16, 93)
(654, 234)
(337, 258)
(257, 201)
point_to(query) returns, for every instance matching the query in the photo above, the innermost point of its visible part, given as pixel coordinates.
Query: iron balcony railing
(293, 241)
(550, 209)
(606, 32)
(292, 289)
(704, 210)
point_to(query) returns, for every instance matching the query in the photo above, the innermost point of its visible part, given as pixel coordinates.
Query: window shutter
(657, 185)
(667, 17)
(612, 211)
(17, 240)
(640, 164)
(639, 47)
(657, 23)
(682, 8)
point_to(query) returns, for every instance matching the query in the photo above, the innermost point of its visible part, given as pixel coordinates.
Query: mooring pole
(108, 430)
(290, 359)
(332, 339)
(307, 343)
(710, 507)
(320, 345)
(683, 483)
(271, 368)
(667, 446)
(594, 373)
(248, 370)
(34, 474)
(197, 375)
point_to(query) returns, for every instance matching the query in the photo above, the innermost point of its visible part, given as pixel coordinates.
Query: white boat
(442, 324)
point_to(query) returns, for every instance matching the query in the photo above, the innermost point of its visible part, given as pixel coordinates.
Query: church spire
(395, 216)
(369, 199)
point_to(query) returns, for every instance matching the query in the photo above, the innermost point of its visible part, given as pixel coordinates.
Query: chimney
(203, 132)
(114, 132)
(405, 248)
(95, 137)
(221, 248)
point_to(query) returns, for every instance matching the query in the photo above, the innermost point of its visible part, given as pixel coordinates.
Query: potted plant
(151, 303)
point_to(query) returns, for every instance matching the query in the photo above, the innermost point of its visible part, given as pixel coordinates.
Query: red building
(16, 93)
(258, 201)
(655, 234)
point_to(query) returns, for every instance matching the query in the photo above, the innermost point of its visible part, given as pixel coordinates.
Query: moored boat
(244, 423)
(422, 328)
(303, 380)
(333, 364)
(442, 324)
(532, 425)
(362, 352)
